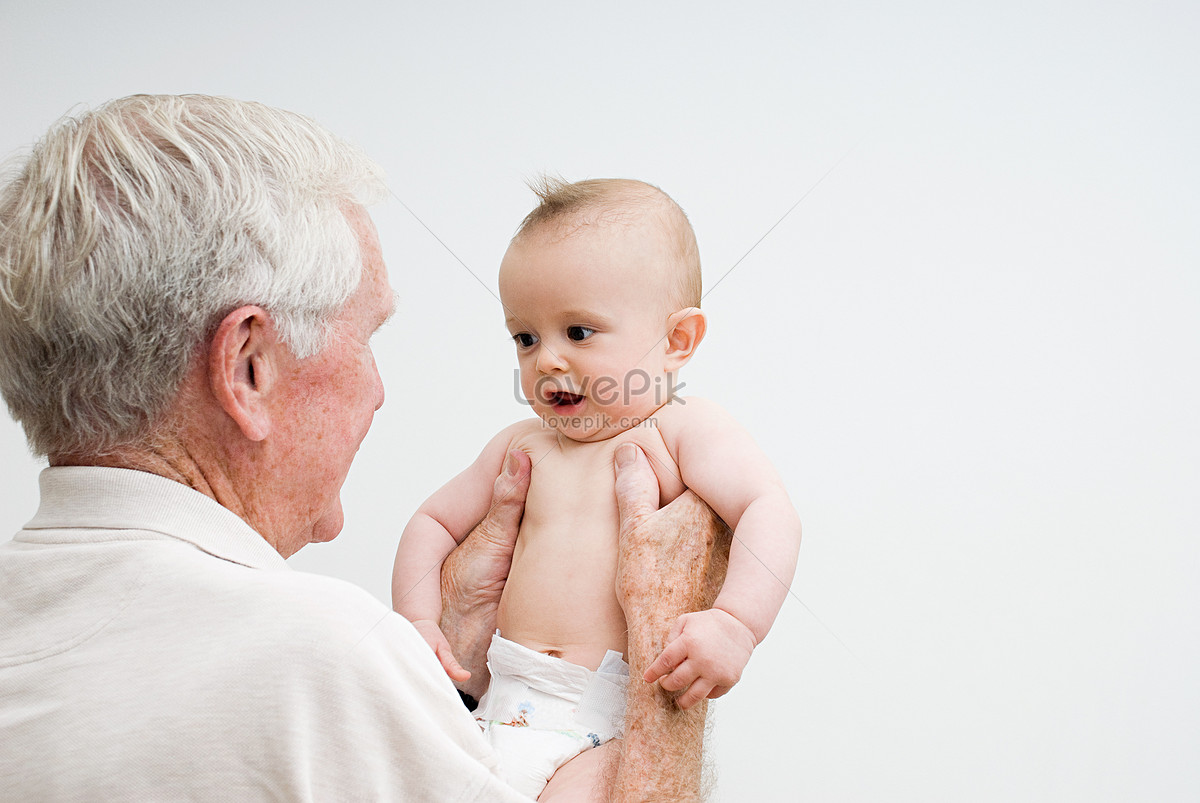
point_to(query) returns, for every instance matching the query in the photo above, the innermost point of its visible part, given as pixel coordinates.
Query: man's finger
(637, 486)
(449, 663)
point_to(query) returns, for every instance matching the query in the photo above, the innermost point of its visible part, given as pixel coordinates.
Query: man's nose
(379, 392)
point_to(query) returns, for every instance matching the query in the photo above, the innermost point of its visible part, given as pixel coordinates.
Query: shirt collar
(91, 497)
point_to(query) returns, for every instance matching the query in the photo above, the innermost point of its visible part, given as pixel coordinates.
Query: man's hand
(473, 575)
(706, 650)
(670, 562)
(436, 640)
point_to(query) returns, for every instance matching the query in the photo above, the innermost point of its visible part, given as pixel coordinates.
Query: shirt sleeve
(382, 720)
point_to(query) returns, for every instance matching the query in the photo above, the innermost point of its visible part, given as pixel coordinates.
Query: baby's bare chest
(573, 484)
(560, 596)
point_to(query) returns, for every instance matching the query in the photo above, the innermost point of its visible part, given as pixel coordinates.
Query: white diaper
(540, 711)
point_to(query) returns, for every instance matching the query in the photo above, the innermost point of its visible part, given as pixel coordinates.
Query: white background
(971, 350)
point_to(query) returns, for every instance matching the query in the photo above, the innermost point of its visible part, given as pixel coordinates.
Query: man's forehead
(363, 227)
(375, 281)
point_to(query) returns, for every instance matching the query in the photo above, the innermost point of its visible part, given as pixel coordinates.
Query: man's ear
(242, 368)
(685, 330)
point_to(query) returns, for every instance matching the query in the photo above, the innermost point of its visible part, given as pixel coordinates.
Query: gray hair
(130, 231)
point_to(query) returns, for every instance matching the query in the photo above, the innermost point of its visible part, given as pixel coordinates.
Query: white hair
(130, 231)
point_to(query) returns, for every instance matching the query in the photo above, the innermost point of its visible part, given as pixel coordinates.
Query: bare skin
(671, 561)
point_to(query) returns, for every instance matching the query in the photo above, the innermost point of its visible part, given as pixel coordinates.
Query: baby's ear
(685, 330)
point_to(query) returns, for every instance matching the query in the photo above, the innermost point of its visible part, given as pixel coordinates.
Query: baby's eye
(579, 332)
(524, 339)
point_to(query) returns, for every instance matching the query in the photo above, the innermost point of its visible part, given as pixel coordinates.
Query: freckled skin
(323, 410)
(270, 437)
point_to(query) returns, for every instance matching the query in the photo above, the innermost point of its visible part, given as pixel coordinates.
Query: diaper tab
(602, 705)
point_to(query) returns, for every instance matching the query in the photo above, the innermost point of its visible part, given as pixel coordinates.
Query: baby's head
(601, 293)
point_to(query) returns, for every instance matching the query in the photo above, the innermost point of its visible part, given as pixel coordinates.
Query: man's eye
(524, 339)
(579, 332)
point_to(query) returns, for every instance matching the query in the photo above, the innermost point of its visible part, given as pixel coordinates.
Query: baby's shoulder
(681, 415)
(530, 435)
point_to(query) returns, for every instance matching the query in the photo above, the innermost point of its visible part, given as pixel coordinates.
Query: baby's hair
(599, 201)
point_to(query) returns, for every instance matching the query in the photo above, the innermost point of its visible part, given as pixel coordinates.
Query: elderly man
(188, 290)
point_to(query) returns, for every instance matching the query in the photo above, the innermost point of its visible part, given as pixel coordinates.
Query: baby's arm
(707, 650)
(439, 524)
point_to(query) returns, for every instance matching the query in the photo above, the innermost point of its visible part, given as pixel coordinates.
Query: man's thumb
(508, 492)
(637, 486)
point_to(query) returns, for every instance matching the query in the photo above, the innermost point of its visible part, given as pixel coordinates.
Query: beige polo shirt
(154, 647)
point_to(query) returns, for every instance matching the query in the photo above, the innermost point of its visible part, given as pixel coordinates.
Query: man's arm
(671, 562)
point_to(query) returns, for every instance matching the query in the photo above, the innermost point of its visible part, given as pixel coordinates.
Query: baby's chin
(592, 427)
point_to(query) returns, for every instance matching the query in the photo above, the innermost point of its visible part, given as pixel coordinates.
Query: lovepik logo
(609, 390)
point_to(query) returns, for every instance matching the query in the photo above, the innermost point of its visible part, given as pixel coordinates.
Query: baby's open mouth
(560, 398)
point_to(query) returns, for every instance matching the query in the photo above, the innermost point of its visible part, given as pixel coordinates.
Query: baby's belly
(560, 597)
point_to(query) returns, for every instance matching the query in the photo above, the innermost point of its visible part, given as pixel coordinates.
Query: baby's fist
(704, 656)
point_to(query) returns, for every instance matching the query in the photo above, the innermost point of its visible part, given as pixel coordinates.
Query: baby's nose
(549, 362)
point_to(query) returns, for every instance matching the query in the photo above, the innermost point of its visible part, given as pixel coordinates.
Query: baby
(601, 292)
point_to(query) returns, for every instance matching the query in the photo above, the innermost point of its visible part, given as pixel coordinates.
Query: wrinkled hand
(705, 654)
(671, 561)
(434, 637)
(473, 575)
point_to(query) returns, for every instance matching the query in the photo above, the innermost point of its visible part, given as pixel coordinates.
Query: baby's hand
(433, 636)
(705, 653)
